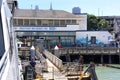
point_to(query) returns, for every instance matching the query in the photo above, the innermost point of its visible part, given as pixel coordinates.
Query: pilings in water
(98, 59)
(119, 59)
(99, 55)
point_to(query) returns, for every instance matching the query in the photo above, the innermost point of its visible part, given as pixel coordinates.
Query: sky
(95, 7)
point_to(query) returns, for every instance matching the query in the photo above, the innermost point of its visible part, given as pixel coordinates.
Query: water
(106, 73)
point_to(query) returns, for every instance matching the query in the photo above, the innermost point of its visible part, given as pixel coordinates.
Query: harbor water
(107, 73)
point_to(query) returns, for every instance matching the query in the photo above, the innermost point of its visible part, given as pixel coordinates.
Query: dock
(49, 65)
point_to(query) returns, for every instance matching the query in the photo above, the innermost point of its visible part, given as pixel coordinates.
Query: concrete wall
(101, 36)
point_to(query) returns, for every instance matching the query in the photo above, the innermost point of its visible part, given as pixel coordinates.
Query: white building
(55, 26)
(93, 37)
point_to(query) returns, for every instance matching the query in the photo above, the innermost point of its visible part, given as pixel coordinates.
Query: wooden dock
(99, 50)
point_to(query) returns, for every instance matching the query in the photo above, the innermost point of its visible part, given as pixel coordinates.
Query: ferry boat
(10, 65)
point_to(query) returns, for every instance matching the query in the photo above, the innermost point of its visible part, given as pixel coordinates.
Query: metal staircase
(29, 73)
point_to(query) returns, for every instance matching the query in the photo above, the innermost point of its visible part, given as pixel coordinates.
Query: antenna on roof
(51, 6)
(31, 6)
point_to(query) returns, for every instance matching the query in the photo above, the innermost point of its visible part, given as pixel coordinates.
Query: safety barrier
(54, 59)
(78, 50)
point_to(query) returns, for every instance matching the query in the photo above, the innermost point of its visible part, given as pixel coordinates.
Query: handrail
(81, 50)
(55, 60)
(3, 62)
(3, 58)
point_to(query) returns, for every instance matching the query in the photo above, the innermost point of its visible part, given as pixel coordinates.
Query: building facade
(50, 26)
(114, 22)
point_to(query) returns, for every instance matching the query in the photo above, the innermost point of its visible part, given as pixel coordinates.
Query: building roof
(109, 17)
(32, 13)
(9, 1)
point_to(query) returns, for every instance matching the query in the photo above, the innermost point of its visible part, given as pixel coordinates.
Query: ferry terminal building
(50, 26)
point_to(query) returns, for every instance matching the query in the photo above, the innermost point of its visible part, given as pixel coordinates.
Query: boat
(10, 64)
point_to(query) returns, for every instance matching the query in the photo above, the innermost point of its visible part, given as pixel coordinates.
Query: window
(68, 21)
(73, 21)
(2, 47)
(32, 22)
(62, 22)
(26, 21)
(15, 22)
(38, 22)
(93, 40)
(20, 22)
(50, 22)
(56, 23)
(44, 22)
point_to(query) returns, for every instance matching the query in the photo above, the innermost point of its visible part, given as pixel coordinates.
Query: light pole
(86, 43)
(102, 27)
(45, 39)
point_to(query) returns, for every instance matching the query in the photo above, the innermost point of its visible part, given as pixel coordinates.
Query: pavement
(53, 72)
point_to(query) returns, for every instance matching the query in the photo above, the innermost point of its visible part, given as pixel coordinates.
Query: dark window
(26, 22)
(15, 22)
(38, 22)
(74, 21)
(2, 47)
(93, 40)
(68, 21)
(20, 22)
(50, 22)
(62, 22)
(32, 22)
(56, 23)
(44, 22)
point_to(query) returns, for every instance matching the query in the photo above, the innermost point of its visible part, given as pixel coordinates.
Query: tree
(93, 23)
(103, 25)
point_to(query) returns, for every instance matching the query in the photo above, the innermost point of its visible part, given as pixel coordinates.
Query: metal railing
(3, 64)
(78, 50)
(54, 59)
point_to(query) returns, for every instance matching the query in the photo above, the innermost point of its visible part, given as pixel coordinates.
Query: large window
(32, 22)
(38, 22)
(74, 21)
(26, 21)
(50, 22)
(44, 22)
(62, 22)
(2, 47)
(68, 21)
(20, 22)
(15, 22)
(56, 23)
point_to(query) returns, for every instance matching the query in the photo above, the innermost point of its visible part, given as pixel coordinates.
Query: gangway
(91, 70)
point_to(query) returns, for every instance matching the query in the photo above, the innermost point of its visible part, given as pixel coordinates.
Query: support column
(102, 59)
(74, 39)
(119, 59)
(59, 40)
(110, 59)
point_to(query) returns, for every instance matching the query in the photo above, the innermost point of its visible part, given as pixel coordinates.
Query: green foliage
(93, 23)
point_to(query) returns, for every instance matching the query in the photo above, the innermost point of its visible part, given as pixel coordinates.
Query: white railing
(4, 64)
(55, 60)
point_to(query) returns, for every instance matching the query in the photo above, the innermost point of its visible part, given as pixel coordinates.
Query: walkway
(47, 69)
(53, 72)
